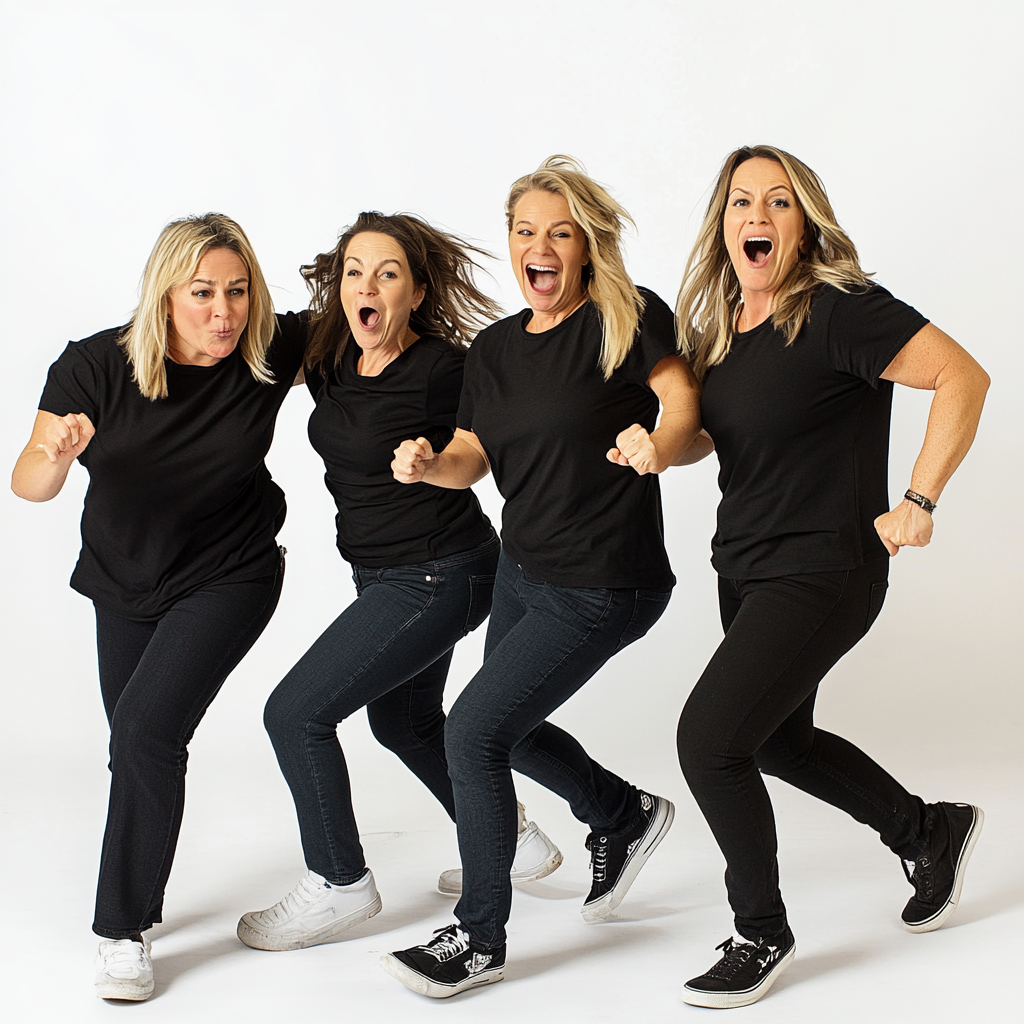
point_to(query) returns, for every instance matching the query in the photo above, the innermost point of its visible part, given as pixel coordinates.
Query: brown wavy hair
(709, 296)
(453, 308)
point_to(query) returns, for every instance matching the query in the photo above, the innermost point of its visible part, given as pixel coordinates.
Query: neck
(754, 310)
(544, 321)
(373, 361)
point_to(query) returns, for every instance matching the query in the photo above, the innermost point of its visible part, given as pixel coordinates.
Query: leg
(546, 643)
(783, 637)
(401, 627)
(190, 652)
(409, 720)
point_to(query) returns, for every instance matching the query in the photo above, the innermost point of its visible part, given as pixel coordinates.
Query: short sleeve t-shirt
(802, 436)
(358, 423)
(179, 496)
(546, 417)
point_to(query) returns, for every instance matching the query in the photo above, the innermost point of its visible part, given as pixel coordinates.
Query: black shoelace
(922, 877)
(736, 955)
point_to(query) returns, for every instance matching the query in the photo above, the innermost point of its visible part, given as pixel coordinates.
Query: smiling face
(764, 228)
(378, 293)
(209, 312)
(548, 250)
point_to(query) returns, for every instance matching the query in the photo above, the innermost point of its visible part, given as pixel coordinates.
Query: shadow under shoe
(938, 874)
(745, 973)
(447, 965)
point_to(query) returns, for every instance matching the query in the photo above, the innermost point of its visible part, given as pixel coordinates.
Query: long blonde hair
(602, 220)
(173, 261)
(710, 293)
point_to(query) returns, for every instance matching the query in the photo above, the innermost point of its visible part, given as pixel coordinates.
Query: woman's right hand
(411, 459)
(64, 438)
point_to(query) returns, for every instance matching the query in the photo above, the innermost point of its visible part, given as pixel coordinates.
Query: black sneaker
(744, 974)
(448, 964)
(938, 874)
(617, 861)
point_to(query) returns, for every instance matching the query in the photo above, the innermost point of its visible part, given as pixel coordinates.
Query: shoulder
(102, 349)
(654, 304)
(862, 308)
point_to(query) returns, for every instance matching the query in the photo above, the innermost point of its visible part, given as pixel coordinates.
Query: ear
(418, 296)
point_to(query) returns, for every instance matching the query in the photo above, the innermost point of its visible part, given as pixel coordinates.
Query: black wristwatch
(920, 499)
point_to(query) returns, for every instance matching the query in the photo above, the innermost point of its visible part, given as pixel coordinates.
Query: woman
(423, 559)
(798, 352)
(561, 401)
(172, 416)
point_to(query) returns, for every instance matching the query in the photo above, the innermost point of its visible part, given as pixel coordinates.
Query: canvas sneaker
(124, 969)
(938, 874)
(615, 862)
(744, 974)
(450, 963)
(314, 911)
(536, 857)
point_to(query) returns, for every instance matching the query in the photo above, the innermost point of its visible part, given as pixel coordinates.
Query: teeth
(537, 266)
(758, 238)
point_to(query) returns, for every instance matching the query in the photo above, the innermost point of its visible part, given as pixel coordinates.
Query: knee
(282, 716)
(390, 730)
(694, 744)
(469, 744)
(774, 757)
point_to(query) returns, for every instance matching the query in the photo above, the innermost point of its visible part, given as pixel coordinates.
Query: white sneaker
(124, 969)
(536, 856)
(311, 913)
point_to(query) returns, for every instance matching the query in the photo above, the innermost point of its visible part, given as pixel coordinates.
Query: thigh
(190, 653)
(414, 705)
(120, 645)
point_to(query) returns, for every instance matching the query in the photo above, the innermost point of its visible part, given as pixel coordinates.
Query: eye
(202, 293)
(780, 202)
(352, 272)
(562, 234)
(740, 202)
(524, 231)
(237, 292)
(388, 275)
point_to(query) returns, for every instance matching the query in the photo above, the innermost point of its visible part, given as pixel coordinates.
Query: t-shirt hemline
(846, 565)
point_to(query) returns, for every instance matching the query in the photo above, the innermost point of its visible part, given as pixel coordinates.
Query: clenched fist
(66, 437)
(907, 525)
(634, 447)
(411, 460)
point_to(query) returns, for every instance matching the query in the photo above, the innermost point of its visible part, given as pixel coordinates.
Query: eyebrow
(237, 280)
(557, 224)
(736, 188)
(379, 265)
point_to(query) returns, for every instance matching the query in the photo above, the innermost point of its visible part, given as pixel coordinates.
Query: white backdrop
(293, 117)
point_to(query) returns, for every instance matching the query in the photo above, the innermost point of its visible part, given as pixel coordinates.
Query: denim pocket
(418, 580)
(875, 602)
(648, 607)
(481, 591)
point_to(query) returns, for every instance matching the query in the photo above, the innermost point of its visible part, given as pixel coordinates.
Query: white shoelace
(124, 961)
(307, 892)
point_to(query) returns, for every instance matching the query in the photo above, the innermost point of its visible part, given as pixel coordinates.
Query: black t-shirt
(546, 417)
(179, 496)
(802, 436)
(356, 427)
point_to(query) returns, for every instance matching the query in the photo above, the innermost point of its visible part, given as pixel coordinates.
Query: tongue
(544, 280)
(369, 318)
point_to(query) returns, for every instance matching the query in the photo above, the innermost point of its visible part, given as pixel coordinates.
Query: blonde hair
(172, 263)
(602, 220)
(709, 296)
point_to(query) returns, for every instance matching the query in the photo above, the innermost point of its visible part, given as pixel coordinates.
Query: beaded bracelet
(920, 499)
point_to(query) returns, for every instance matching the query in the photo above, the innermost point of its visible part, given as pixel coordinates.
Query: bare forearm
(700, 448)
(459, 466)
(952, 425)
(36, 478)
(674, 436)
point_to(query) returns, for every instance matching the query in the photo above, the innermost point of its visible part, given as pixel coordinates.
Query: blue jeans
(543, 643)
(388, 651)
(158, 679)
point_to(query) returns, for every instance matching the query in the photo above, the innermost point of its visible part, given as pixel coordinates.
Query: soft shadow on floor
(603, 938)
(546, 891)
(973, 908)
(804, 968)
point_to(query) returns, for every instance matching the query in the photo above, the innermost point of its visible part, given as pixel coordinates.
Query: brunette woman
(172, 416)
(798, 352)
(561, 402)
(394, 307)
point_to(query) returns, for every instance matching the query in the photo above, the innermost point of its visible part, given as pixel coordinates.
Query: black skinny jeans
(158, 679)
(751, 712)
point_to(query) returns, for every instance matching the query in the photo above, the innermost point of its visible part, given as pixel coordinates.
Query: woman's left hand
(907, 525)
(635, 448)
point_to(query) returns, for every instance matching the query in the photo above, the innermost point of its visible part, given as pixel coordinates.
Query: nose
(220, 307)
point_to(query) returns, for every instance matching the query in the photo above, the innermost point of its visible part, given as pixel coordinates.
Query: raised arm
(677, 389)
(932, 360)
(459, 466)
(43, 465)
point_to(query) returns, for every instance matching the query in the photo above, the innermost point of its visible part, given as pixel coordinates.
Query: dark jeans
(158, 679)
(752, 711)
(388, 651)
(543, 643)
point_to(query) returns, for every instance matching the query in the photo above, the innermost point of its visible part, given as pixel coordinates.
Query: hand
(411, 459)
(66, 437)
(907, 525)
(635, 448)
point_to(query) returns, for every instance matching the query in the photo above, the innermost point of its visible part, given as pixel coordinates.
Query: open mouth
(368, 317)
(758, 250)
(542, 277)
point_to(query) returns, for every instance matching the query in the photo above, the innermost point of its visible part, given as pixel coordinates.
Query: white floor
(239, 851)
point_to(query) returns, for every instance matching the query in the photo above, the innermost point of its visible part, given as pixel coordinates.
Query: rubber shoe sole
(433, 989)
(252, 936)
(594, 913)
(128, 989)
(730, 1000)
(941, 916)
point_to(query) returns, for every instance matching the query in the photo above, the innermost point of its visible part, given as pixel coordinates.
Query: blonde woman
(561, 402)
(798, 352)
(172, 416)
